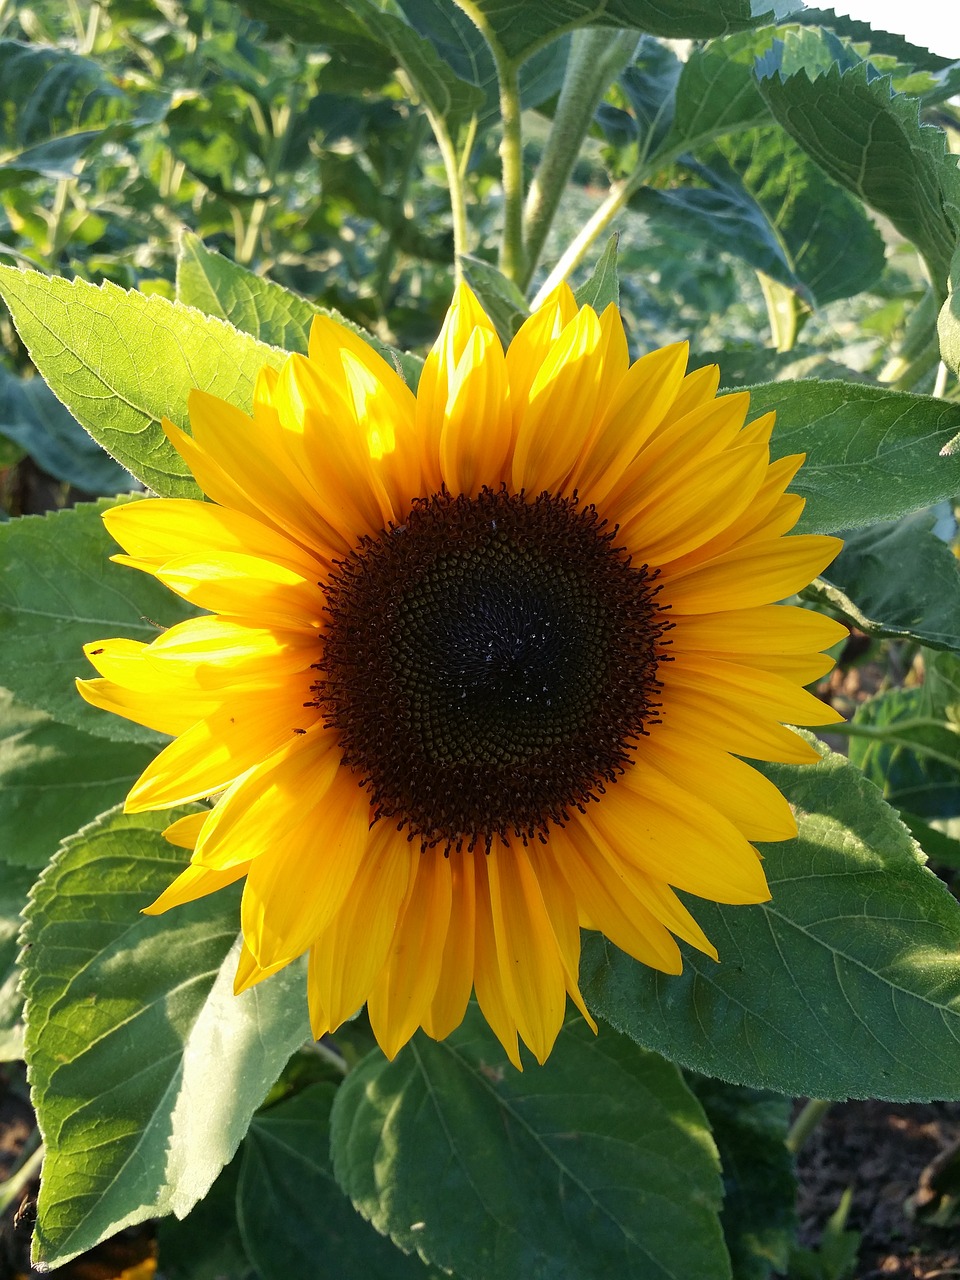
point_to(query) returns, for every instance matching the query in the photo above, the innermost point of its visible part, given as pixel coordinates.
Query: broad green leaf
(444, 94)
(871, 141)
(717, 91)
(54, 105)
(328, 23)
(58, 591)
(290, 1209)
(948, 323)
(759, 1187)
(761, 198)
(15, 885)
(912, 756)
(121, 361)
(603, 286)
(897, 580)
(886, 42)
(845, 984)
(498, 295)
(872, 454)
(146, 1069)
(206, 1244)
(32, 415)
(267, 311)
(54, 779)
(648, 87)
(598, 1164)
(520, 29)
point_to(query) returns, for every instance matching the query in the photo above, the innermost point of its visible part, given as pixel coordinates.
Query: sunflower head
(478, 666)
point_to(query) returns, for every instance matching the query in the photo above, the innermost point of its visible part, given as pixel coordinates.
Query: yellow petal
(767, 629)
(259, 590)
(185, 832)
(477, 430)
(351, 951)
(195, 882)
(488, 979)
(759, 573)
(535, 339)
(298, 883)
(455, 982)
(530, 965)
(216, 653)
(401, 997)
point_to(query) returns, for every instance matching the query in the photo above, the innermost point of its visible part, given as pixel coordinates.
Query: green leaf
(32, 415)
(54, 105)
(759, 1187)
(761, 198)
(498, 295)
(940, 848)
(15, 885)
(914, 759)
(898, 580)
(54, 779)
(267, 311)
(871, 141)
(443, 93)
(598, 1164)
(58, 591)
(846, 984)
(290, 1209)
(146, 1069)
(121, 361)
(603, 286)
(206, 1244)
(872, 454)
(519, 29)
(717, 91)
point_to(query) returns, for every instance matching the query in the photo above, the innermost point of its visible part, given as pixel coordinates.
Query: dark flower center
(489, 665)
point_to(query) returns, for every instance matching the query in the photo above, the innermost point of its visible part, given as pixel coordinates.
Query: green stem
(511, 147)
(596, 58)
(388, 254)
(458, 196)
(810, 1116)
(579, 246)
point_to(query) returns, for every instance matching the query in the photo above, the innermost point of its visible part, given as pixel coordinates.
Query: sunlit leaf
(845, 984)
(120, 361)
(145, 1067)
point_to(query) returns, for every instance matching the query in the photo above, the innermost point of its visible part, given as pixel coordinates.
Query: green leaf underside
(846, 984)
(898, 580)
(292, 1212)
(872, 454)
(15, 884)
(54, 779)
(948, 323)
(759, 1186)
(31, 415)
(871, 142)
(120, 361)
(145, 1067)
(598, 1164)
(267, 311)
(498, 295)
(59, 590)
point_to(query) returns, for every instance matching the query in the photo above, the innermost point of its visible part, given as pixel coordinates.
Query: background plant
(785, 197)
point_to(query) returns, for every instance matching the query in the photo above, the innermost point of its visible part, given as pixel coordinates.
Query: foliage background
(785, 199)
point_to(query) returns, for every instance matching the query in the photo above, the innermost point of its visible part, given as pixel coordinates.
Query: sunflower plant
(423, 853)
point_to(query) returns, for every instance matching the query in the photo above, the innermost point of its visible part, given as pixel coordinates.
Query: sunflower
(479, 665)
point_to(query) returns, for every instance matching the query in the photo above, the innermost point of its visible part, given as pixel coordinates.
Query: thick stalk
(596, 58)
(512, 252)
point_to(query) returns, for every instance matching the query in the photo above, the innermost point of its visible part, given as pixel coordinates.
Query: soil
(881, 1150)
